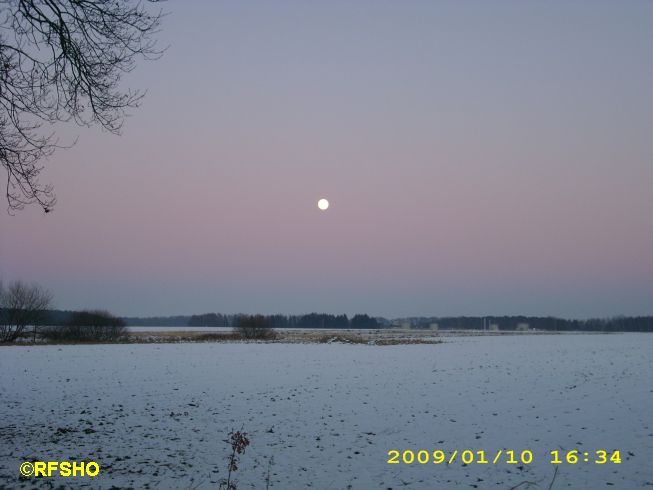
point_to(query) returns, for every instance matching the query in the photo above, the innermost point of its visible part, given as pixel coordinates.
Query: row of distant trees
(25, 311)
(311, 320)
(323, 320)
(614, 324)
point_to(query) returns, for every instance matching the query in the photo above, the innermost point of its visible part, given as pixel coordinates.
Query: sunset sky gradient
(478, 157)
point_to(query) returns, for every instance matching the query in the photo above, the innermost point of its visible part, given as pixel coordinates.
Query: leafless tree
(21, 305)
(62, 60)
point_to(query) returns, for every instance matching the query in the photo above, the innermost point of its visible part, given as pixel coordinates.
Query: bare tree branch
(63, 60)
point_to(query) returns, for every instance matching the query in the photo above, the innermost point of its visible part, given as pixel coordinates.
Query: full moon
(323, 204)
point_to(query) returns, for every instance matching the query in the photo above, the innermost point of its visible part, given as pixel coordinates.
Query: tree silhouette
(62, 60)
(21, 305)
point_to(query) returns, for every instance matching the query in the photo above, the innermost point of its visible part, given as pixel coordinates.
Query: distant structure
(494, 327)
(523, 327)
(434, 326)
(401, 324)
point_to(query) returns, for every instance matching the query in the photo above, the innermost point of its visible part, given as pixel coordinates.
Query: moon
(323, 204)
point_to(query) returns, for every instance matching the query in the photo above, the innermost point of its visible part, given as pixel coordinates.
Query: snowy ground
(155, 415)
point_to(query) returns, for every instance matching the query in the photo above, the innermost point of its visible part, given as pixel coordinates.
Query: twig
(555, 473)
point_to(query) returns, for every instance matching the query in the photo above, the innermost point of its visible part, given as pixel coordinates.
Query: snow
(157, 415)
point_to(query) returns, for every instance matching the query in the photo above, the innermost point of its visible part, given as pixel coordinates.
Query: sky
(480, 158)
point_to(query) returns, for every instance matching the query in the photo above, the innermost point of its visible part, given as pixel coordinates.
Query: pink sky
(478, 161)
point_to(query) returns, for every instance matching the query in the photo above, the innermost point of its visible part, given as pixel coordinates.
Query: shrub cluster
(254, 327)
(88, 326)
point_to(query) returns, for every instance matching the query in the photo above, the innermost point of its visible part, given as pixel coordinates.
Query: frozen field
(156, 415)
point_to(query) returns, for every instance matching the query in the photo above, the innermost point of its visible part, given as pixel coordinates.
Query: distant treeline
(63, 317)
(615, 324)
(311, 320)
(324, 320)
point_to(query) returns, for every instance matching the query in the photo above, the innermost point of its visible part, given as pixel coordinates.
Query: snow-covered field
(156, 415)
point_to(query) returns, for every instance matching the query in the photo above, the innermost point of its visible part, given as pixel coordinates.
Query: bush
(88, 326)
(254, 327)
